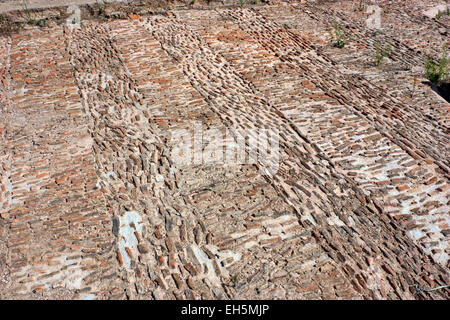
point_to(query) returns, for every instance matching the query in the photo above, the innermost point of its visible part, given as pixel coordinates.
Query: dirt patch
(13, 21)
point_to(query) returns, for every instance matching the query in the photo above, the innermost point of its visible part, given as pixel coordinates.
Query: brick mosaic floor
(92, 205)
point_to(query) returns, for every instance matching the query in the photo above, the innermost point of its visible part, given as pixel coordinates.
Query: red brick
(403, 187)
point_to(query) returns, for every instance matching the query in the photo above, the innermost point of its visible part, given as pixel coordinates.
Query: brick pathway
(92, 205)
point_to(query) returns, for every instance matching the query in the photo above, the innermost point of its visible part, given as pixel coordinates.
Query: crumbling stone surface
(93, 206)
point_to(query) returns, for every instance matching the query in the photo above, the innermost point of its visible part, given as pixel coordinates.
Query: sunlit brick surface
(93, 207)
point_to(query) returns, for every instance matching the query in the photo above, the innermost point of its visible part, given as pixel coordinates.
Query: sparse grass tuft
(438, 15)
(438, 73)
(41, 22)
(431, 70)
(30, 20)
(381, 53)
(27, 12)
(339, 36)
(447, 8)
(101, 8)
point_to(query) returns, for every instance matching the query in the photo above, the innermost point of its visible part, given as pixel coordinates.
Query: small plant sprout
(438, 73)
(438, 15)
(339, 36)
(381, 53)
(30, 20)
(101, 8)
(431, 70)
(27, 12)
(41, 22)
